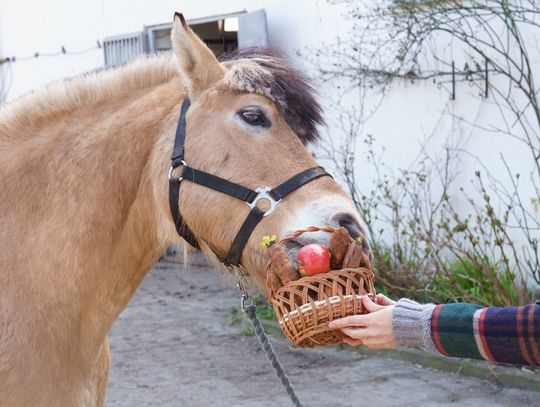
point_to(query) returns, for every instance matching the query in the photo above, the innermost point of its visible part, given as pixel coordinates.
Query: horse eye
(254, 118)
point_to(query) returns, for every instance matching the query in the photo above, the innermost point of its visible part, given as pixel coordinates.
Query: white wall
(29, 26)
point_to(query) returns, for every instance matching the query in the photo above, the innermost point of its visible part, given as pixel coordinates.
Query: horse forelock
(267, 72)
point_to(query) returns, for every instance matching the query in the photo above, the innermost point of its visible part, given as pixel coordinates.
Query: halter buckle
(263, 193)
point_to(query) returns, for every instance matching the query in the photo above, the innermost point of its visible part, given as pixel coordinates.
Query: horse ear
(198, 65)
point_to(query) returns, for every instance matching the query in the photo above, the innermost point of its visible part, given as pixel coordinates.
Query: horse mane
(89, 88)
(257, 70)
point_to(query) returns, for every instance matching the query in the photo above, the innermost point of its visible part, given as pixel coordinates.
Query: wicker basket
(304, 307)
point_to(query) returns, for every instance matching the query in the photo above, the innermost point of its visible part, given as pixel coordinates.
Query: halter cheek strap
(174, 182)
(249, 196)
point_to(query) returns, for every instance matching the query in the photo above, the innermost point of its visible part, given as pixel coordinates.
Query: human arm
(510, 334)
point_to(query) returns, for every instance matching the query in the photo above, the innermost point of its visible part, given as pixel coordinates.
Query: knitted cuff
(411, 323)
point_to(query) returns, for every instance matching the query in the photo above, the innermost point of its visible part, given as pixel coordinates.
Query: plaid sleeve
(509, 335)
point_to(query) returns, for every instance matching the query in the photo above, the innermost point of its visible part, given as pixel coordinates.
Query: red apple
(313, 259)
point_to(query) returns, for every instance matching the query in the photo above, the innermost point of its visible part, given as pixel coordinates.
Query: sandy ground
(174, 346)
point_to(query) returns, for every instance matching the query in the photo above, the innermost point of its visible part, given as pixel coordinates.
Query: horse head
(251, 116)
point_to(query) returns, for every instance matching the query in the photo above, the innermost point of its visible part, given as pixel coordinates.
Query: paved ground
(174, 346)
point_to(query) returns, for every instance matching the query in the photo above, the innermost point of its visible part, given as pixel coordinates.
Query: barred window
(122, 48)
(223, 33)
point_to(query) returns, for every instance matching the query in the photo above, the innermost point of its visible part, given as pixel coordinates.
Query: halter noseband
(273, 195)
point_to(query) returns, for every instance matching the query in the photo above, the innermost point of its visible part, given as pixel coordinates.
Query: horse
(84, 211)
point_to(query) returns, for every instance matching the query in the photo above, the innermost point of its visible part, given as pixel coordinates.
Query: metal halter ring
(263, 193)
(172, 169)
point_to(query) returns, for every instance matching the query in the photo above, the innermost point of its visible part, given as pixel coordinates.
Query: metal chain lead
(251, 313)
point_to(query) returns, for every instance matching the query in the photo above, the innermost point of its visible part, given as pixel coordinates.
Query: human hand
(373, 329)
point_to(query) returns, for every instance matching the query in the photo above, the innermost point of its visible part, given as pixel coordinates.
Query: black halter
(274, 196)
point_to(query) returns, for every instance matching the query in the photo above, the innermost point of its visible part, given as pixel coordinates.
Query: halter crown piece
(250, 197)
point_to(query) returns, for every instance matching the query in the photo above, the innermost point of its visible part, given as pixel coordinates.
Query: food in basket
(339, 243)
(313, 259)
(273, 284)
(282, 266)
(310, 260)
(354, 256)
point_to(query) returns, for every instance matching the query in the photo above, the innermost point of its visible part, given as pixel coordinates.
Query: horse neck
(139, 229)
(100, 179)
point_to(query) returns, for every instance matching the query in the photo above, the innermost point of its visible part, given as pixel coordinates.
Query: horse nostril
(349, 222)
